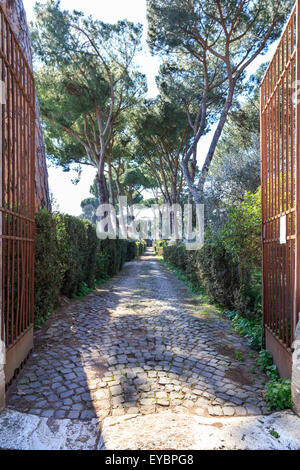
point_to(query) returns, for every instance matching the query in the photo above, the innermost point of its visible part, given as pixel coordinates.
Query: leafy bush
(71, 260)
(74, 251)
(82, 290)
(102, 263)
(49, 270)
(249, 328)
(241, 238)
(241, 234)
(90, 256)
(211, 267)
(278, 391)
(158, 247)
(140, 247)
(228, 265)
(131, 251)
(278, 394)
(265, 363)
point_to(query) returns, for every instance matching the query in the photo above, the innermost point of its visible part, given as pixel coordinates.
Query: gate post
(296, 372)
(2, 375)
(2, 345)
(296, 325)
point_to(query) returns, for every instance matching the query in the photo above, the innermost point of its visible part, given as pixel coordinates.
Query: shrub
(241, 238)
(278, 394)
(158, 247)
(73, 252)
(278, 391)
(102, 263)
(131, 250)
(117, 252)
(211, 267)
(49, 270)
(70, 259)
(228, 265)
(249, 328)
(218, 273)
(140, 247)
(90, 255)
(241, 234)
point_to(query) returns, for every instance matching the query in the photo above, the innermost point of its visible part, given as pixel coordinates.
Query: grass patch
(84, 290)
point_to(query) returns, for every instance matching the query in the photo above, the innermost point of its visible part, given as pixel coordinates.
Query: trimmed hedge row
(215, 270)
(158, 247)
(68, 253)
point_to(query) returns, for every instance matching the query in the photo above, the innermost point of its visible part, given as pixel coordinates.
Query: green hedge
(49, 271)
(158, 247)
(68, 255)
(215, 270)
(228, 266)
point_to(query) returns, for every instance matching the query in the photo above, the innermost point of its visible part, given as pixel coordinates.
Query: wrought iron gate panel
(17, 227)
(279, 178)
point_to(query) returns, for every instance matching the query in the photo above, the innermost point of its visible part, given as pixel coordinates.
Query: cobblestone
(137, 345)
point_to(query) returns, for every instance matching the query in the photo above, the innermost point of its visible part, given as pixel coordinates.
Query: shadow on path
(137, 346)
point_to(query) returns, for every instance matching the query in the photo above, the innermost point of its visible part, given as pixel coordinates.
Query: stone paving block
(116, 390)
(127, 357)
(215, 410)
(228, 411)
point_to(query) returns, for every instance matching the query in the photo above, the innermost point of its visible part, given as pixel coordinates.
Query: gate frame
(282, 353)
(19, 165)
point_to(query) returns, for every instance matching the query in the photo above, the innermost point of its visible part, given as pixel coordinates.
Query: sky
(67, 196)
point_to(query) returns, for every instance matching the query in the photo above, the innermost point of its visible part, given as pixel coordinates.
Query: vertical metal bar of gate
(16, 200)
(280, 146)
(297, 189)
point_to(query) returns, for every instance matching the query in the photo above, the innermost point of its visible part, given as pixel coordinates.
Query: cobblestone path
(138, 345)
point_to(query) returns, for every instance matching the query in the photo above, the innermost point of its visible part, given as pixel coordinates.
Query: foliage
(159, 246)
(249, 328)
(86, 81)
(73, 248)
(278, 391)
(278, 394)
(162, 135)
(222, 37)
(82, 291)
(235, 167)
(241, 235)
(218, 272)
(140, 247)
(265, 363)
(49, 271)
(228, 264)
(70, 260)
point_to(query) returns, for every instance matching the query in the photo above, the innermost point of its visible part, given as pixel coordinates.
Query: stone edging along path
(164, 431)
(137, 346)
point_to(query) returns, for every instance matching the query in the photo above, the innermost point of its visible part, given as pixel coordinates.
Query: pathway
(142, 344)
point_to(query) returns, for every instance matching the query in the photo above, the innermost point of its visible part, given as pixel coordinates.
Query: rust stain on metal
(17, 229)
(280, 128)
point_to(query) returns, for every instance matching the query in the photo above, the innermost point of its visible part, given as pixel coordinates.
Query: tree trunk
(102, 189)
(110, 185)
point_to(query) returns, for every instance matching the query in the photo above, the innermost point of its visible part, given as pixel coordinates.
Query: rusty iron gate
(280, 166)
(17, 229)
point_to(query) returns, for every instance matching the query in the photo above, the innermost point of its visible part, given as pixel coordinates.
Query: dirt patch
(239, 375)
(226, 350)
(194, 301)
